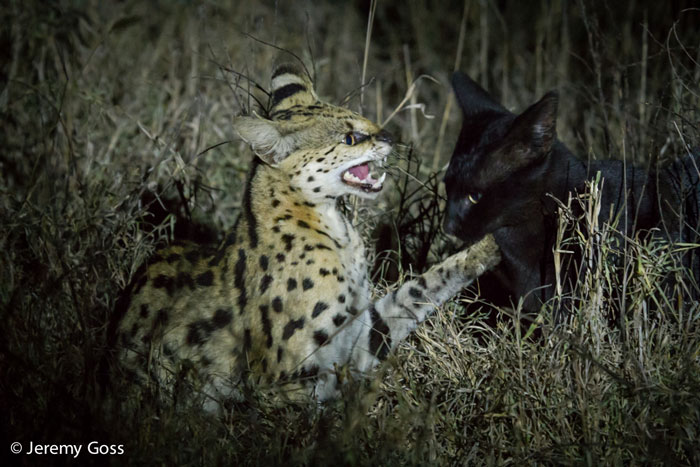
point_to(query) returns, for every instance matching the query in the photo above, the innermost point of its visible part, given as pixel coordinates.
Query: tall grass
(116, 138)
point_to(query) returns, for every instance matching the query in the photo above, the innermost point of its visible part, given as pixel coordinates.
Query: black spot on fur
(320, 337)
(198, 332)
(205, 279)
(231, 239)
(324, 272)
(265, 283)
(144, 311)
(248, 206)
(266, 324)
(283, 69)
(222, 317)
(339, 319)
(264, 262)
(308, 248)
(337, 245)
(172, 257)
(280, 257)
(192, 256)
(224, 273)
(303, 224)
(341, 298)
(277, 304)
(291, 284)
(221, 252)
(156, 258)
(421, 282)
(183, 280)
(164, 282)
(317, 189)
(161, 318)
(319, 308)
(239, 281)
(287, 239)
(161, 281)
(379, 338)
(275, 203)
(414, 292)
(138, 284)
(291, 327)
(286, 91)
(307, 283)
(280, 352)
(247, 340)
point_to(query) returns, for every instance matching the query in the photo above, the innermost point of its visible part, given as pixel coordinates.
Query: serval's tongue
(360, 171)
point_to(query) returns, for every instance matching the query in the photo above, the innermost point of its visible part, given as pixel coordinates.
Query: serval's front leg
(392, 318)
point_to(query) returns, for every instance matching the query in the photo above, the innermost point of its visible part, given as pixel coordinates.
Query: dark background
(116, 137)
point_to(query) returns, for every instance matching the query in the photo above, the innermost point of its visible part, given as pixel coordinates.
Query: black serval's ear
(472, 98)
(528, 141)
(536, 127)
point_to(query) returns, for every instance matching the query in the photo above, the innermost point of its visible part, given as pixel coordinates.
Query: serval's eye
(349, 139)
(474, 197)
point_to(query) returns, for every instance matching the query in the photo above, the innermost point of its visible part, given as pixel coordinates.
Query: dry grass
(110, 110)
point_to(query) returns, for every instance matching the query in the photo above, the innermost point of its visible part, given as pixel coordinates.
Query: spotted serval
(286, 298)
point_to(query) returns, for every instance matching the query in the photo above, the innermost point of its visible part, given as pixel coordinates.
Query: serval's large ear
(290, 86)
(274, 139)
(529, 140)
(264, 138)
(472, 98)
(536, 127)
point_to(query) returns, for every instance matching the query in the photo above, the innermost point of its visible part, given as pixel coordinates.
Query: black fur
(511, 164)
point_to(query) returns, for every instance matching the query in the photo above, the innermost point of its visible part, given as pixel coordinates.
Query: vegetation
(116, 137)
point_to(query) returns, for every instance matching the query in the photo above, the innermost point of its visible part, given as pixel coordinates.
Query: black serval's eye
(349, 139)
(474, 197)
